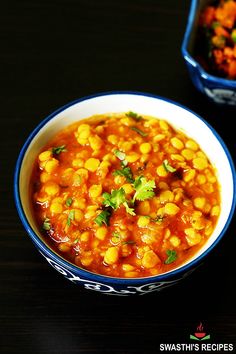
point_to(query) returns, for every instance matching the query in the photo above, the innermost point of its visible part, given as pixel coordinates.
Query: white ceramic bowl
(181, 119)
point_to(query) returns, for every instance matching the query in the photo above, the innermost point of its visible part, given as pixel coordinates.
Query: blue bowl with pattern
(217, 89)
(181, 119)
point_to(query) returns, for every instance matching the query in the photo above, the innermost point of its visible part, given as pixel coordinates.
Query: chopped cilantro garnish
(103, 217)
(172, 256)
(71, 217)
(168, 167)
(116, 234)
(129, 242)
(116, 237)
(140, 132)
(57, 150)
(69, 202)
(115, 199)
(46, 225)
(124, 163)
(143, 188)
(119, 154)
(128, 209)
(126, 172)
(134, 115)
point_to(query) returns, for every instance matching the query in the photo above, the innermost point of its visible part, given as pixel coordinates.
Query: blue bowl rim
(189, 58)
(98, 277)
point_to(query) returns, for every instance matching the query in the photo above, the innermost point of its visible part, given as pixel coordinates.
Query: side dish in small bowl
(209, 48)
(124, 192)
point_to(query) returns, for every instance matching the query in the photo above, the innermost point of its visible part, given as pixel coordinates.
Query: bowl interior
(177, 116)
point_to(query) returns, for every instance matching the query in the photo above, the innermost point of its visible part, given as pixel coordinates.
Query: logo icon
(200, 334)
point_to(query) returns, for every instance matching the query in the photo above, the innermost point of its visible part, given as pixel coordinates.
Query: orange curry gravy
(125, 195)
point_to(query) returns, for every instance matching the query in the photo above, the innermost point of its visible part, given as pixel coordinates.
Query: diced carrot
(220, 31)
(232, 69)
(228, 52)
(218, 56)
(226, 14)
(218, 41)
(207, 16)
(234, 50)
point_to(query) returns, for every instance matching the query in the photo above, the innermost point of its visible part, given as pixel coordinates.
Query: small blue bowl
(180, 118)
(217, 89)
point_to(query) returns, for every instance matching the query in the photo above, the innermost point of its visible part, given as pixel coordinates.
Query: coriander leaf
(172, 256)
(125, 172)
(133, 115)
(57, 150)
(128, 209)
(124, 163)
(103, 217)
(129, 242)
(46, 225)
(115, 199)
(168, 167)
(116, 234)
(121, 155)
(71, 217)
(140, 132)
(116, 237)
(144, 188)
(69, 202)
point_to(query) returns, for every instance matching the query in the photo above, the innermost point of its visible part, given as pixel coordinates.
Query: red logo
(200, 334)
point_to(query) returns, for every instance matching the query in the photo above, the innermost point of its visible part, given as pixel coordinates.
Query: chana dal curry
(125, 195)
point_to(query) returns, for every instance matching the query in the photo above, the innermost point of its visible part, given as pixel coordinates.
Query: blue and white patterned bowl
(217, 89)
(179, 117)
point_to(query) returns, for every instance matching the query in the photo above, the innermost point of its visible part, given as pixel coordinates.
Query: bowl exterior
(218, 90)
(107, 285)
